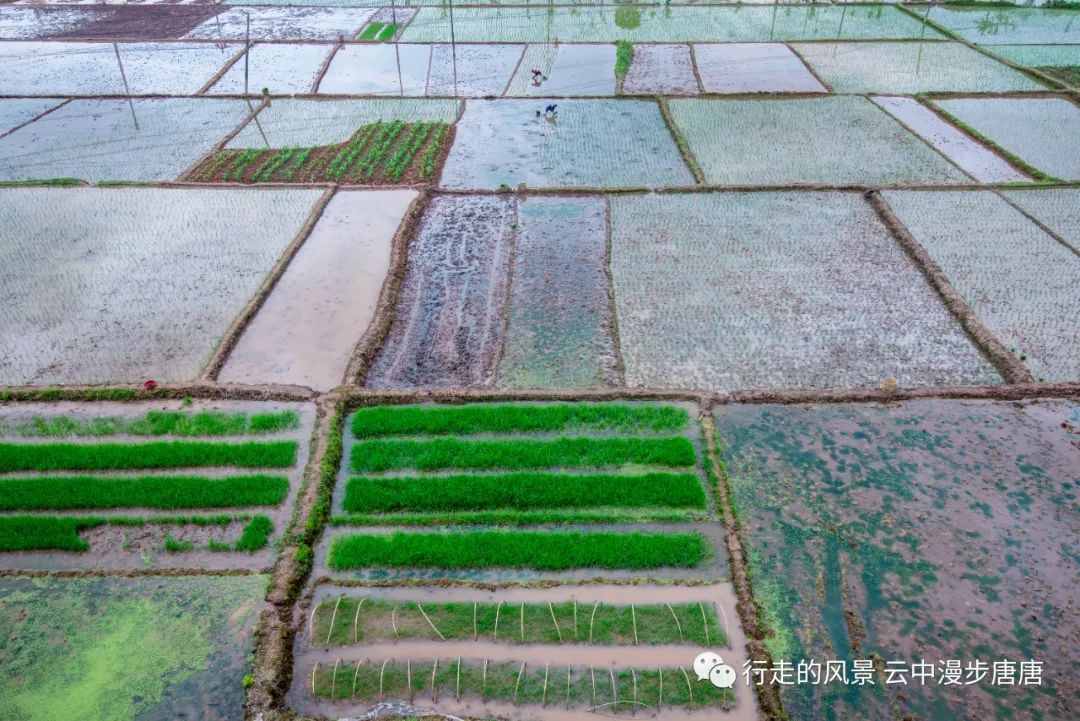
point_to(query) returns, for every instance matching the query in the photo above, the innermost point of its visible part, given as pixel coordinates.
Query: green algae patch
(917, 531)
(117, 649)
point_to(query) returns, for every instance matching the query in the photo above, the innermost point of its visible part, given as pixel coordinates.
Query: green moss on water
(110, 649)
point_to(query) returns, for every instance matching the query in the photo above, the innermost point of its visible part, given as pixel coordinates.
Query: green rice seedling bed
(540, 550)
(156, 454)
(516, 418)
(371, 620)
(61, 533)
(167, 492)
(156, 423)
(522, 491)
(444, 453)
(501, 517)
(513, 682)
(381, 153)
(379, 32)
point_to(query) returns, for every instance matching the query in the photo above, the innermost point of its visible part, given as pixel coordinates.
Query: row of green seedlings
(370, 147)
(155, 423)
(61, 533)
(379, 31)
(607, 689)
(349, 620)
(519, 549)
(286, 163)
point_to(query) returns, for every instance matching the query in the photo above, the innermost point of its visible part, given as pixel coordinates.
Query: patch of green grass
(371, 31)
(371, 620)
(374, 456)
(388, 31)
(43, 533)
(516, 417)
(624, 55)
(43, 181)
(173, 545)
(64, 394)
(523, 491)
(555, 685)
(541, 550)
(171, 492)
(156, 454)
(255, 534)
(157, 423)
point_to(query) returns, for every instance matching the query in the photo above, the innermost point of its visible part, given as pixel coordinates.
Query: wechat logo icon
(710, 666)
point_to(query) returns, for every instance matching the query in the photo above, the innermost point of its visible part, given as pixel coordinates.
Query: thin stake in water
(127, 90)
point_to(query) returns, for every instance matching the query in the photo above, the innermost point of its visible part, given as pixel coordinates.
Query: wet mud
(448, 327)
(145, 22)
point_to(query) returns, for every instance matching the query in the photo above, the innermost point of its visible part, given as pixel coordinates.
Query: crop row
(61, 533)
(156, 454)
(379, 31)
(540, 550)
(516, 418)
(522, 491)
(557, 685)
(168, 492)
(373, 456)
(156, 423)
(350, 620)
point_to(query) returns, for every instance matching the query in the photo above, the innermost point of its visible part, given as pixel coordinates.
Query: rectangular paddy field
(503, 291)
(814, 292)
(1018, 279)
(102, 140)
(582, 494)
(931, 531)
(835, 140)
(168, 485)
(149, 306)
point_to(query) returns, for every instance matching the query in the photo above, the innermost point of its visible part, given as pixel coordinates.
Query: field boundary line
(1038, 223)
(378, 330)
(810, 69)
(232, 336)
(35, 118)
(1011, 369)
(680, 141)
(694, 68)
(220, 145)
(326, 66)
(220, 73)
(616, 339)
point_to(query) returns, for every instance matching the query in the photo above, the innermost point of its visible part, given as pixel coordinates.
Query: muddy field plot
(911, 68)
(304, 123)
(812, 289)
(607, 489)
(1028, 128)
(586, 143)
(661, 69)
(836, 140)
(280, 68)
(461, 322)
(116, 21)
(1020, 281)
(753, 68)
(57, 69)
(566, 69)
(667, 24)
(90, 296)
(154, 649)
(116, 487)
(558, 652)
(394, 152)
(284, 23)
(414, 70)
(96, 140)
(918, 531)
(306, 330)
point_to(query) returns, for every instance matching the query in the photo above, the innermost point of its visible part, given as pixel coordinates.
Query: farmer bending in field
(537, 77)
